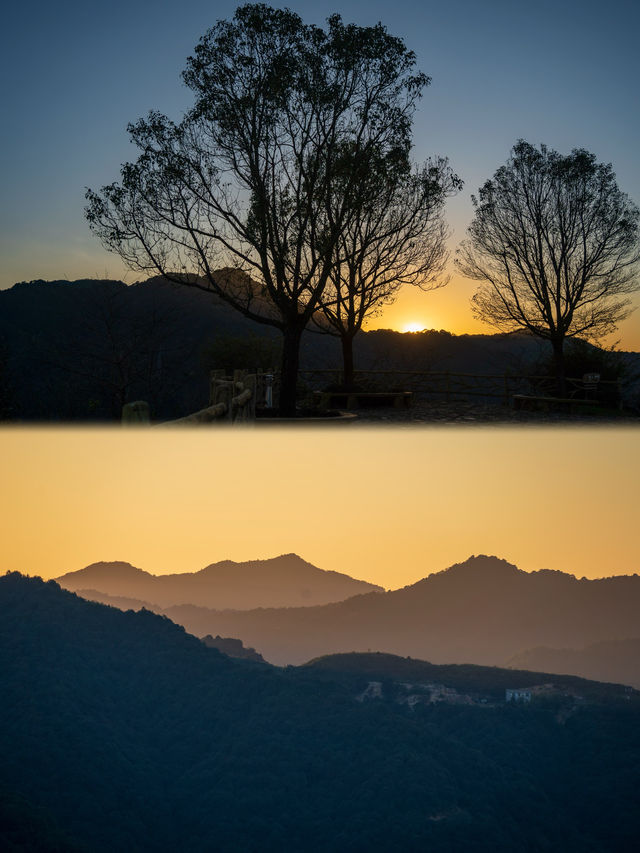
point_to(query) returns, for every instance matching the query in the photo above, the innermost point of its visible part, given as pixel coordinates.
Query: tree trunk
(558, 357)
(347, 362)
(289, 370)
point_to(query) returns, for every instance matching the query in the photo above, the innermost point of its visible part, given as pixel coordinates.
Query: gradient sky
(385, 505)
(562, 72)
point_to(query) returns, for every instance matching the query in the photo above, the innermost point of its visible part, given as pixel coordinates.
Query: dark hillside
(137, 737)
(79, 350)
(481, 682)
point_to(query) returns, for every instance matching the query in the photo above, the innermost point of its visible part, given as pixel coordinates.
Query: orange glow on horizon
(387, 505)
(449, 309)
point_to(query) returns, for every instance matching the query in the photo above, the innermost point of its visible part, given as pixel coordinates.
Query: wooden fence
(231, 401)
(452, 386)
(234, 400)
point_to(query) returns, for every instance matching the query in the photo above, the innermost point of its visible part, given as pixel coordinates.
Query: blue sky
(74, 74)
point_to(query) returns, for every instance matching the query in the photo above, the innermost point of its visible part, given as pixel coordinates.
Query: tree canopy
(264, 173)
(555, 243)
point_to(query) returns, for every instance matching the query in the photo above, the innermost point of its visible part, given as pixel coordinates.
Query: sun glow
(413, 327)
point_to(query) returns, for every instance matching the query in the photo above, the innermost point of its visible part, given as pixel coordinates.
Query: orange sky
(386, 505)
(449, 308)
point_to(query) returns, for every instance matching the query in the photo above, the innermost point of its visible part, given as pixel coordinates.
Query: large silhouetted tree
(264, 173)
(555, 243)
(396, 236)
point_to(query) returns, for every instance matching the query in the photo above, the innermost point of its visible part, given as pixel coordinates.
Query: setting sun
(413, 327)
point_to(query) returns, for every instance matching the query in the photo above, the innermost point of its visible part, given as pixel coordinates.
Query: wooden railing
(450, 385)
(230, 401)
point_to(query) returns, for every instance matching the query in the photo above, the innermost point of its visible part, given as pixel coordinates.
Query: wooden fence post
(223, 392)
(214, 377)
(135, 413)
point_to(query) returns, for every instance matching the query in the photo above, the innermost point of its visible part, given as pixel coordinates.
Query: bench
(527, 401)
(362, 399)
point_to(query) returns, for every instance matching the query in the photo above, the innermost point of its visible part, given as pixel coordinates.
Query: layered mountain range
(119, 731)
(284, 581)
(482, 611)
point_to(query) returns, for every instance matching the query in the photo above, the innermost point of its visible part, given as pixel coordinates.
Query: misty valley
(329, 714)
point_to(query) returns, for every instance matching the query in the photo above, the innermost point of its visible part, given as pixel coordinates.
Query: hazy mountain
(119, 601)
(285, 581)
(118, 731)
(482, 611)
(610, 660)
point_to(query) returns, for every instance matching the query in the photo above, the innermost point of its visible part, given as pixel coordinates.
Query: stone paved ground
(424, 410)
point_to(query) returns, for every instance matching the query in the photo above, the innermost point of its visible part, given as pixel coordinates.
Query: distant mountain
(232, 648)
(609, 660)
(285, 581)
(80, 350)
(119, 731)
(119, 601)
(482, 611)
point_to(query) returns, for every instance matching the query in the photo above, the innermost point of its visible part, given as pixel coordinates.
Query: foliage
(232, 352)
(581, 357)
(262, 175)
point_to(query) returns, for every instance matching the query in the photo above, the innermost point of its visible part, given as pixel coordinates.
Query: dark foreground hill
(118, 731)
(417, 680)
(80, 350)
(284, 581)
(482, 611)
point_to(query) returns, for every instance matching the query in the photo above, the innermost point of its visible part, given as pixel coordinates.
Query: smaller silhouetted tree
(397, 236)
(554, 242)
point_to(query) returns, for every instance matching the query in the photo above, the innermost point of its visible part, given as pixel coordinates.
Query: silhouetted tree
(555, 242)
(396, 236)
(264, 173)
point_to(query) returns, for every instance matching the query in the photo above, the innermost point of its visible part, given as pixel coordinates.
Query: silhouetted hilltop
(482, 611)
(615, 660)
(285, 581)
(475, 683)
(80, 350)
(232, 648)
(119, 731)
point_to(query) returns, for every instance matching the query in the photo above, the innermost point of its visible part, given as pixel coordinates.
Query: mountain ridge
(462, 614)
(284, 581)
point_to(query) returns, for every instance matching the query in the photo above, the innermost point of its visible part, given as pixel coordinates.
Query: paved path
(435, 412)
